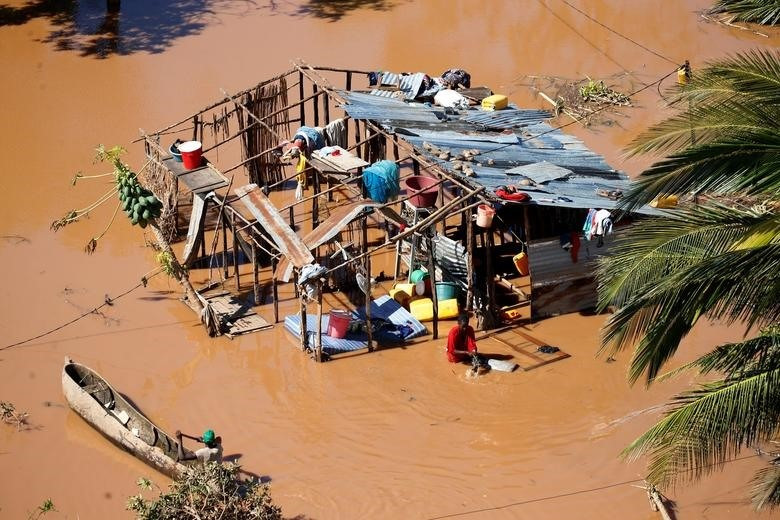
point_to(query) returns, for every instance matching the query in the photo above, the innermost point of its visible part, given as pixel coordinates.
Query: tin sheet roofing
(506, 140)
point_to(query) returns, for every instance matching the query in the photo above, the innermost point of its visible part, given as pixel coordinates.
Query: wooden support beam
(223, 219)
(302, 98)
(255, 276)
(349, 80)
(304, 331)
(235, 253)
(367, 292)
(326, 110)
(318, 344)
(469, 261)
(315, 105)
(434, 296)
(275, 288)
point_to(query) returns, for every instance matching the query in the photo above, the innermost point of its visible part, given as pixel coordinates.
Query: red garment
(517, 196)
(460, 340)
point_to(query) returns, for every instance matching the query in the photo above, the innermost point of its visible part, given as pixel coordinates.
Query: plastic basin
(423, 190)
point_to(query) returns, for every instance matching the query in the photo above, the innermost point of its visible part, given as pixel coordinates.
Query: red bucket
(338, 323)
(424, 191)
(191, 154)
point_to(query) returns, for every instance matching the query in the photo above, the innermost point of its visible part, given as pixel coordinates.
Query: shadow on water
(101, 28)
(335, 10)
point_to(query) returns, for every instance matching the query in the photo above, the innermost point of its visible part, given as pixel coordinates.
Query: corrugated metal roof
(541, 172)
(531, 141)
(508, 118)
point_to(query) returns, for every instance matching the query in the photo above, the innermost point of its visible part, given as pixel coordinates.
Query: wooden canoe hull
(90, 396)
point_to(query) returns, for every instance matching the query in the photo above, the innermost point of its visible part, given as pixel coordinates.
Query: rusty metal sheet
(339, 218)
(267, 215)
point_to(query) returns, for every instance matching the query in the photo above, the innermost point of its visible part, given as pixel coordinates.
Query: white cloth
(448, 98)
(207, 454)
(601, 216)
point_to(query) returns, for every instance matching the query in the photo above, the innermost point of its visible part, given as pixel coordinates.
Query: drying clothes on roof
(449, 98)
(335, 133)
(382, 180)
(454, 78)
(312, 137)
(511, 193)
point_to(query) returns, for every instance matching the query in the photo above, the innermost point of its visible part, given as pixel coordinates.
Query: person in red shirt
(461, 343)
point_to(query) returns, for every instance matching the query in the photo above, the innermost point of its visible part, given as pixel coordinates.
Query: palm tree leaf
(765, 12)
(766, 487)
(736, 286)
(710, 425)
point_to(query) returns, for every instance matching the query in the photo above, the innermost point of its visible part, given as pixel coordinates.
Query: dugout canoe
(90, 396)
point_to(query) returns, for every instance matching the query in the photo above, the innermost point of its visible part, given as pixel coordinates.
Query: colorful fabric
(453, 78)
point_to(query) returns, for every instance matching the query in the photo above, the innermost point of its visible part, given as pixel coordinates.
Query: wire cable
(106, 302)
(613, 31)
(570, 493)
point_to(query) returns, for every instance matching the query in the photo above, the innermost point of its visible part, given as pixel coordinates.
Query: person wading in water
(461, 344)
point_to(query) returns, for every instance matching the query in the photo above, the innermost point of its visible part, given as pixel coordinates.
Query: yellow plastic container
(521, 263)
(665, 202)
(408, 288)
(495, 102)
(422, 309)
(400, 296)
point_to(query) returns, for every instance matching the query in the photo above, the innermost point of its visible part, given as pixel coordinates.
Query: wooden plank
(342, 163)
(267, 215)
(339, 218)
(204, 178)
(194, 233)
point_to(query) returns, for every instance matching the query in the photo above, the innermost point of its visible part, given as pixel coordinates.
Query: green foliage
(597, 91)
(207, 492)
(766, 12)
(732, 107)
(46, 507)
(716, 260)
(169, 265)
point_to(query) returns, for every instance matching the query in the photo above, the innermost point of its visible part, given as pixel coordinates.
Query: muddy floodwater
(394, 434)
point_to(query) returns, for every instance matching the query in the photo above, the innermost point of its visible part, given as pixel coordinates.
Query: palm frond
(766, 487)
(766, 12)
(735, 286)
(657, 247)
(710, 425)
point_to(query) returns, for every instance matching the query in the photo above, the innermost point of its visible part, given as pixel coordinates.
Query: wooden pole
(325, 110)
(275, 287)
(367, 266)
(318, 348)
(434, 296)
(315, 105)
(349, 80)
(255, 276)
(224, 245)
(526, 224)
(302, 96)
(491, 288)
(235, 252)
(469, 261)
(304, 325)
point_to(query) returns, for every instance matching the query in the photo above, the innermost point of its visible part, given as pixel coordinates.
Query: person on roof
(212, 452)
(461, 343)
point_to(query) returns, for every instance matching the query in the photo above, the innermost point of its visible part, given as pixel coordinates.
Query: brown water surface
(395, 434)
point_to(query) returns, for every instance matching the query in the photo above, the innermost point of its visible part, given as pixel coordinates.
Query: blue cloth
(382, 181)
(313, 138)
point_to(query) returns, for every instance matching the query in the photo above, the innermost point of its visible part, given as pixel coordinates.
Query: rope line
(108, 301)
(613, 31)
(571, 493)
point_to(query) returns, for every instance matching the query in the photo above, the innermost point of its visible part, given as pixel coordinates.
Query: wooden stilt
(434, 296)
(318, 348)
(304, 331)
(224, 245)
(315, 105)
(325, 109)
(235, 252)
(469, 261)
(349, 81)
(275, 288)
(255, 275)
(302, 97)
(367, 267)
(491, 287)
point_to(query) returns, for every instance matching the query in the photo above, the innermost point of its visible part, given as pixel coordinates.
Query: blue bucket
(446, 290)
